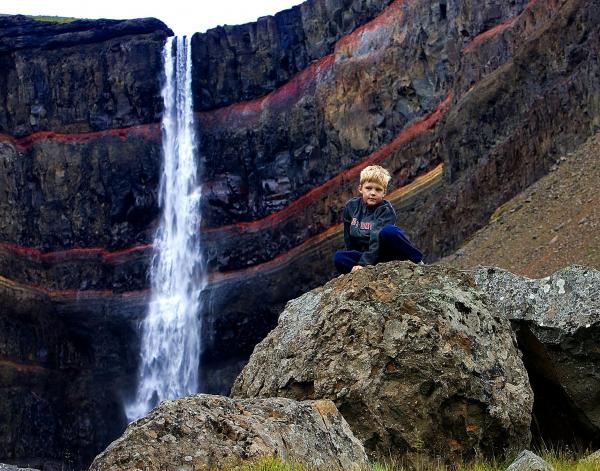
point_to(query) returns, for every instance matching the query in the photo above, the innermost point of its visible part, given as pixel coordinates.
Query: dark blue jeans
(393, 245)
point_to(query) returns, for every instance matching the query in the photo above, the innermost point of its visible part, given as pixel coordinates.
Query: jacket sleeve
(347, 220)
(383, 215)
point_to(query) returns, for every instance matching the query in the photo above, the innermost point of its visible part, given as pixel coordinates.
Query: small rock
(10, 467)
(528, 461)
(168, 438)
(593, 458)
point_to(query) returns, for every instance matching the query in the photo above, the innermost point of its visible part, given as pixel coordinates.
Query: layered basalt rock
(285, 163)
(79, 76)
(90, 190)
(263, 154)
(63, 369)
(235, 63)
(79, 168)
(507, 129)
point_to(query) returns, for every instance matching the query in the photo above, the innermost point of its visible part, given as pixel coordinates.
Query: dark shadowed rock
(413, 357)
(80, 76)
(63, 367)
(528, 461)
(208, 432)
(29, 32)
(558, 324)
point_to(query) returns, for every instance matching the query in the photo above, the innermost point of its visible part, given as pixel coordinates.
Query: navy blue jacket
(362, 225)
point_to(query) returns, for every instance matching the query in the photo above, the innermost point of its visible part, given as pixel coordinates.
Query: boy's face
(372, 193)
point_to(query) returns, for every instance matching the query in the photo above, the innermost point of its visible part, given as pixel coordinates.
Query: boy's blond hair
(375, 174)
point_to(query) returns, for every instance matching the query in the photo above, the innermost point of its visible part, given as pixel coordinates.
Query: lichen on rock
(557, 320)
(205, 432)
(414, 357)
(529, 461)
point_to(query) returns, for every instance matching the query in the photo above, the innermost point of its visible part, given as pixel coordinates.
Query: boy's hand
(356, 268)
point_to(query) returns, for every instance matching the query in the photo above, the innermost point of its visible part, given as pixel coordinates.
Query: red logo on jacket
(362, 225)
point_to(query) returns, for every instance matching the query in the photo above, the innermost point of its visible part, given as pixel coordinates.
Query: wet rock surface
(209, 432)
(557, 320)
(413, 357)
(63, 372)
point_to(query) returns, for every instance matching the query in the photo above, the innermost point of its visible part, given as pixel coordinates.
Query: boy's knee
(339, 257)
(388, 230)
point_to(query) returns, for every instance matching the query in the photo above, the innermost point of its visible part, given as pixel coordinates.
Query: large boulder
(209, 432)
(416, 361)
(557, 320)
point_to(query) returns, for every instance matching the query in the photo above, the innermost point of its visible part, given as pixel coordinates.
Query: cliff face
(235, 63)
(79, 76)
(465, 102)
(79, 165)
(467, 105)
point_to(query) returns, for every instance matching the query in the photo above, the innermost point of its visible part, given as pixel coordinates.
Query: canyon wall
(465, 102)
(476, 100)
(79, 166)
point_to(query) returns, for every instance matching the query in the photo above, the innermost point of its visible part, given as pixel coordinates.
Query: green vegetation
(560, 460)
(53, 19)
(272, 464)
(565, 460)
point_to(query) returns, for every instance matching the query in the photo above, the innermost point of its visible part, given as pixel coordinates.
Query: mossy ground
(53, 19)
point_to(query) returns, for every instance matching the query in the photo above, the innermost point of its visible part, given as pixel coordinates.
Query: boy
(370, 233)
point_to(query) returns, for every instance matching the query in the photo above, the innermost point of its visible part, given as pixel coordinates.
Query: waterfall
(170, 333)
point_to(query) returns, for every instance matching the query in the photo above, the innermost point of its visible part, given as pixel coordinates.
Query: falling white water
(170, 338)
